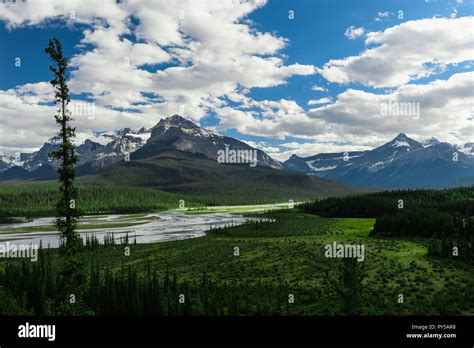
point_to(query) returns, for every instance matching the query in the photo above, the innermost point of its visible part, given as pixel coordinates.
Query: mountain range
(401, 163)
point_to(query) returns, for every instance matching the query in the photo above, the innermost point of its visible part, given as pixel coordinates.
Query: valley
(169, 219)
(234, 172)
(252, 269)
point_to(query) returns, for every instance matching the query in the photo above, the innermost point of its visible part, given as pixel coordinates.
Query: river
(158, 227)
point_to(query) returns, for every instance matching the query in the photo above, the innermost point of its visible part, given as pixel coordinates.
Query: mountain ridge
(110, 147)
(400, 163)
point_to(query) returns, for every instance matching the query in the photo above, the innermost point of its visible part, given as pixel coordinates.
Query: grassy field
(285, 257)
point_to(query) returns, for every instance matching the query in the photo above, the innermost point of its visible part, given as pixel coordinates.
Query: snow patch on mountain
(430, 142)
(376, 166)
(467, 148)
(101, 139)
(399, 143)
(319, 169)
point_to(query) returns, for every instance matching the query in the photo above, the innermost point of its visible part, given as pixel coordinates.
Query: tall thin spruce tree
(66, 212)
(71, 277)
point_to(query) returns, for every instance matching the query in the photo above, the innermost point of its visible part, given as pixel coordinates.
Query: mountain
(114, 147)
(467, 148)
(401, 163)
(178, 156)
(181, 157)
(107, 148)
(177, 133)
(5, 163)
(194, 174)
(46, 172)
(430, 141)
(104, 149)
(41, 157)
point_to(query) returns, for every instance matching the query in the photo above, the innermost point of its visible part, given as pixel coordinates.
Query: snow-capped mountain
(5, 162)
(40, 158)
(401, 163)
(430, 141)
(467, 148)
(102, 149)
(113, 147)
(108, 147)
(177, 133)
(9, 161)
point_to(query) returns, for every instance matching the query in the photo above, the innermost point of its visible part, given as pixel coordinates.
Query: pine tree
(67, 214)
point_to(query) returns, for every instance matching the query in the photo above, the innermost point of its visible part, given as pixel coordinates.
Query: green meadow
(276, 267)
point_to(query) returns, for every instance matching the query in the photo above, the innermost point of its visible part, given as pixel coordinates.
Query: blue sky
(277, 74)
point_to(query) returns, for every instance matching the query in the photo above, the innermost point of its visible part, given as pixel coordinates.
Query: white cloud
(214, 55)
(320, 101)
(211, 48)
(355, 119)
(319, 89)
(321, 145)
(353, 32)
(405, 52)
(264, 146)
(445, 109)
(31, 13)
(27, 121)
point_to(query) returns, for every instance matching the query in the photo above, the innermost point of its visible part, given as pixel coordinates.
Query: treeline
(424, 222)
(37, 200)
(451, 235)
(444, 216)
(31, 288)
(452, 248)
(459, 200)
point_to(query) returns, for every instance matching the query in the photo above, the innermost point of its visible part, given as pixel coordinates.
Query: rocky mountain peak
(430, 141)
(402, 140)
(176, 121)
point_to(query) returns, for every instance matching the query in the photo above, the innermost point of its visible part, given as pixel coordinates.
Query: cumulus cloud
(140, 61)
(31, 13)
(356, 121)
(405, 52)
(210, 49)
(26, 116)
(445, 111)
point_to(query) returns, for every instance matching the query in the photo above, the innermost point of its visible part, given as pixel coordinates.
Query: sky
(289, 77)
